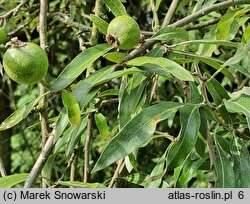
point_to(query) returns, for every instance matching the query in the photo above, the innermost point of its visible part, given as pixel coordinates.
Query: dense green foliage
(174, 111)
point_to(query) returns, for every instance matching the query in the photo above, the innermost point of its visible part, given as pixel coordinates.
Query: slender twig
(188, 27)
(116, 174)
(2, 168)
(93, 41)
(70, 162)
(153, 88)
(216, 73)
(43, 42)
(15, 10)
(202, 83)
(73, 167)
(166, 135)
(43, 23)
(201, 25)
(211, 149)
(147, 33)
(20, 27)
(170, 13)
(109, 101)
(86, 148)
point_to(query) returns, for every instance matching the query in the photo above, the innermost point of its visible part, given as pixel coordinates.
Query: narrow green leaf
(156, 52)
(190, 124)
(167, 65)
(215, 63)
(224, 142)
(130, 162)
(229, 24)
(239, 55)
(158, 170)
(223, 168)
(66, 138)
(109, 92)
(208, 49)
(236, 25)
(78, 65)
(189, 168)
(115, 57)
(223, 26)
(244, 90)
(200, 145)
(113, 75)
(72, 9)
(61, 124)
(194, 94)
(136, 178)
(246, 35)
(239, 104)
(48, 168)
(157, 5)
(198, 5)
(135, 133)
(102, 125)
(73, 110)
(75, 135)
(100, 24)
(241, 158)
(225, 43)
(217, 91)
(85, 90)
(63, 140)
(241, 69)
(12, 180)
(116, 7)
(78, 184)
(131, 97)
(170, 34)
(218, 94)
(196, 98)
(19, 114)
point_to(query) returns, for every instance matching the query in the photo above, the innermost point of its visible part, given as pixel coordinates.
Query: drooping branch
(219, 6)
